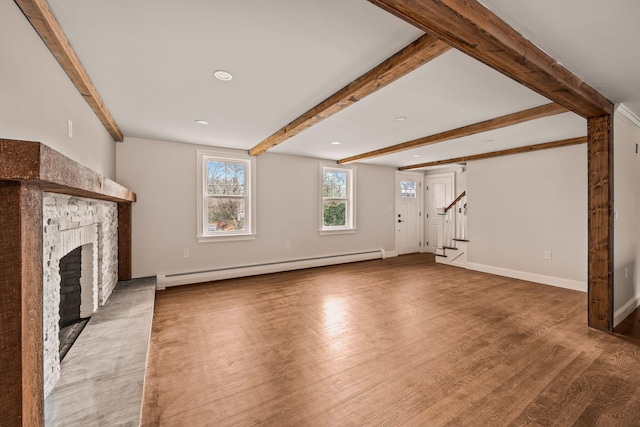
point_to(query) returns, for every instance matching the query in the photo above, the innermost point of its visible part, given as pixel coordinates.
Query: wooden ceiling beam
(485, 126)
(473, 29)
(418, 53)
(46, 25)
(510, 151)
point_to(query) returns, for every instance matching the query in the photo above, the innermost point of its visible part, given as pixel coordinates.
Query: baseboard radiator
(167, 280)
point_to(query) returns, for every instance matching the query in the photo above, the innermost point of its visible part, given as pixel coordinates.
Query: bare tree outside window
(226, 191)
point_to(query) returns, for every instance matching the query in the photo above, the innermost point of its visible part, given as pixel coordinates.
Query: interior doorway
(439, 190)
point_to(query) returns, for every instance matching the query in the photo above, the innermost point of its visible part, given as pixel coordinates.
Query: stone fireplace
(88, 229)
(50, 206)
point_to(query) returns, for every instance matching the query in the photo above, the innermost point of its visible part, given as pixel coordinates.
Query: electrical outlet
(547, 255)
(185, 253)
(287, 245)
(70, 128)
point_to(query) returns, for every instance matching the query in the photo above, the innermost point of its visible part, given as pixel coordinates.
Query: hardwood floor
(401, 341)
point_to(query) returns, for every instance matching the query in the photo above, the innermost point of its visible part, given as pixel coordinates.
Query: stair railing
(453, 223)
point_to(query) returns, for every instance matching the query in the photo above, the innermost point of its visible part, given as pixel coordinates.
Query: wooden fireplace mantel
(27, 170)
(35, 162)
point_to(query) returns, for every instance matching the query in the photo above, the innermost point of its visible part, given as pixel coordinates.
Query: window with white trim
(225, 208)
(408, 190)
(337, 205)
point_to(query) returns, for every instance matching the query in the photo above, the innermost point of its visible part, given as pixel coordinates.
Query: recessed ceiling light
(487, 141)
(416, 155)
(202, 122)
(335, 143)
(400, 119)
(222, 75)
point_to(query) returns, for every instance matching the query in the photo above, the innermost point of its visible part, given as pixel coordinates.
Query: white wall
(460, 176)
(37, 98)
(164, 218)
(626, 292)
(522, 205)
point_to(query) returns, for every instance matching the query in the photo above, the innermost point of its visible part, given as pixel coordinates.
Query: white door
(438, 194)
(408, 212)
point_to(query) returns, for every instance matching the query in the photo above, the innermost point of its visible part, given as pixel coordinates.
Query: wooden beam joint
(473, 29)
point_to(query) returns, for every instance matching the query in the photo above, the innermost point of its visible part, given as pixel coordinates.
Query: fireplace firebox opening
(76, 295)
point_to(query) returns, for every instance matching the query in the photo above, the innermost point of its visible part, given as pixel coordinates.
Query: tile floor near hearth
(102, 376)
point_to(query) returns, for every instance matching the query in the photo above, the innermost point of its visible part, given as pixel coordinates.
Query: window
(337, 207)
(408, 190)
(226, 202)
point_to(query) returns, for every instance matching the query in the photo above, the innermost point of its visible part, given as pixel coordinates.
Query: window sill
(230, 238)
(332, 232)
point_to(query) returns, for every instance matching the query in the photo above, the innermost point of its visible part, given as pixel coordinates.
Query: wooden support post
(600, 148)
(124, 241)
(21, 336)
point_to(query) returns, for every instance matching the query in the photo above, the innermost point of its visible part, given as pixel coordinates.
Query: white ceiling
(152, 61)
(597, 40)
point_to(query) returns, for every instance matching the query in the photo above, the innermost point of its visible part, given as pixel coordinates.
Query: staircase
(452, 232)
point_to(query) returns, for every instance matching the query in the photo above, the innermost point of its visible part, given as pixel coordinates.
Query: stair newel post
(464, 221)
(458, 214)
(447, 229)
(441, 229)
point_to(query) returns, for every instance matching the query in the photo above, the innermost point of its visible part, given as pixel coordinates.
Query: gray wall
(38, 98)
(522, 205)
(288, 207)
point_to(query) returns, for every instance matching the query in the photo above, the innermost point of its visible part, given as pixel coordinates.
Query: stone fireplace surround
(70, 222)
(29, 173)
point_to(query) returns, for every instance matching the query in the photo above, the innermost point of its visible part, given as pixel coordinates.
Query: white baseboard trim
(389, 254)
(626, 310)
(186, 278)
(575, 285)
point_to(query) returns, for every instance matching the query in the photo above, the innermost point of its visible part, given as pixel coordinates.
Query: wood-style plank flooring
(401, 341)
